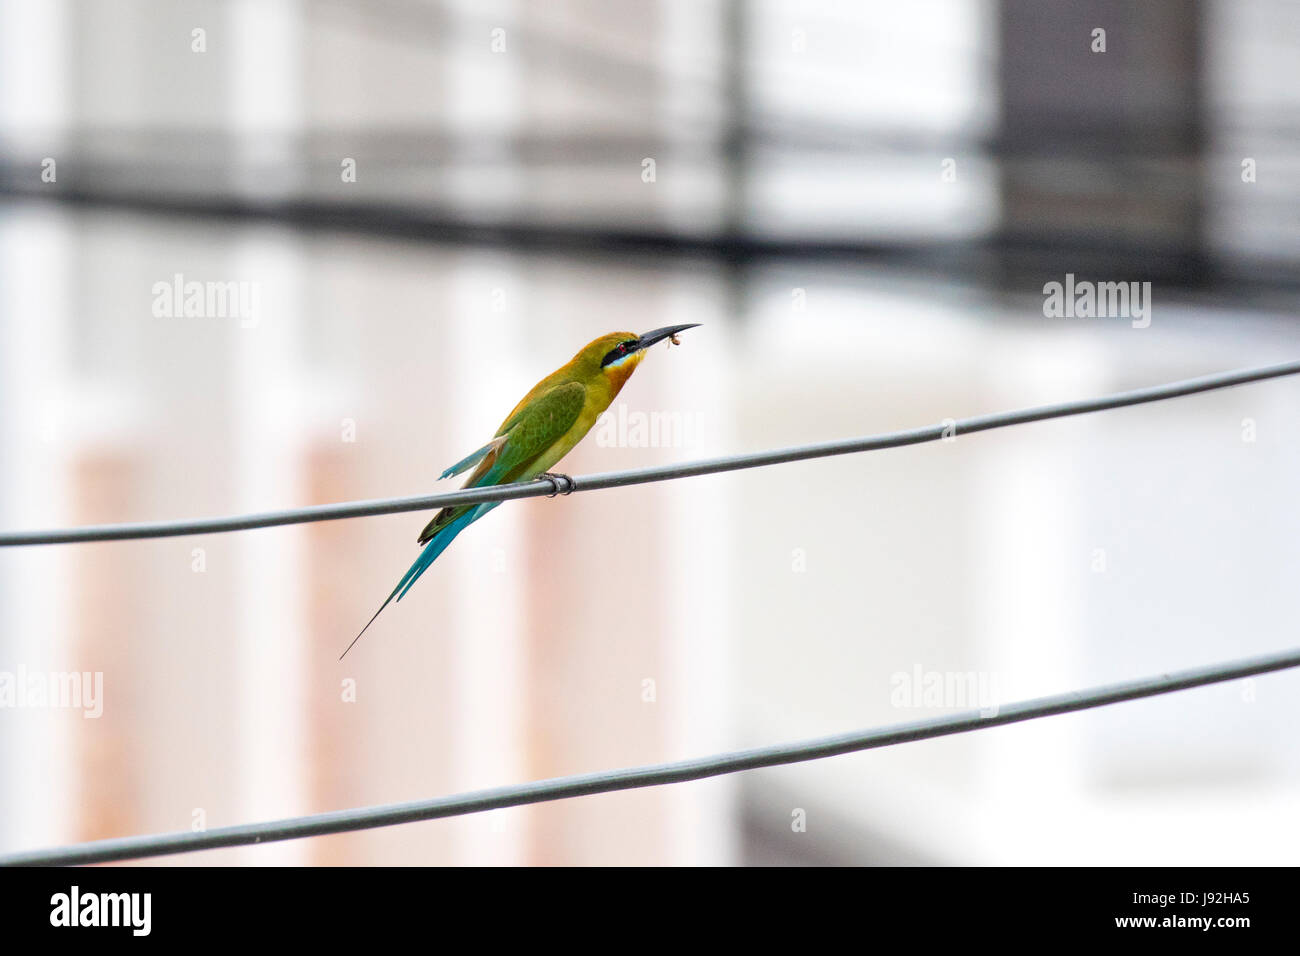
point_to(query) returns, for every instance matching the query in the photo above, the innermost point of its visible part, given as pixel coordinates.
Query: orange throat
(617, 375)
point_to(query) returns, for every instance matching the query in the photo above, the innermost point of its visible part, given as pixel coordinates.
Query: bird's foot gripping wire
(562, 484)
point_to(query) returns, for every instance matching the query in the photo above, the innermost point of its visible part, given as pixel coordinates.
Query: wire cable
(618, 479)
(655, 775)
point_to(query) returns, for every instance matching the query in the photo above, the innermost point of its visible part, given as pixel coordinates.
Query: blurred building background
(430, 204)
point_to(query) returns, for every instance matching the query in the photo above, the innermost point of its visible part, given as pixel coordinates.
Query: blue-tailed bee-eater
(543, 428)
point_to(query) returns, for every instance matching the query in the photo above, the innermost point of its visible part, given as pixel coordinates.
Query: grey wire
(616, 479)
(559, 788)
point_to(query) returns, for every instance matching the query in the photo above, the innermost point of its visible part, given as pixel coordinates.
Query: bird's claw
(555, 480)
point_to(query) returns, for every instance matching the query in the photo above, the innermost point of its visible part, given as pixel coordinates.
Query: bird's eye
(619, 352)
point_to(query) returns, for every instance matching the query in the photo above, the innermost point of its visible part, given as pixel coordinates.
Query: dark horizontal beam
(1009, 262)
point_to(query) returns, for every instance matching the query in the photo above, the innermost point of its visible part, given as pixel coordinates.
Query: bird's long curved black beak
(658, 335)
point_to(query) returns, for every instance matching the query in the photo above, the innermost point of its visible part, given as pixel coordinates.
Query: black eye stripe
(617, 352)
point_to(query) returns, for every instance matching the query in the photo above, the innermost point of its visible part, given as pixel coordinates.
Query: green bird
(542, 429)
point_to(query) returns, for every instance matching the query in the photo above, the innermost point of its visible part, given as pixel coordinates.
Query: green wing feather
(528, 433)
